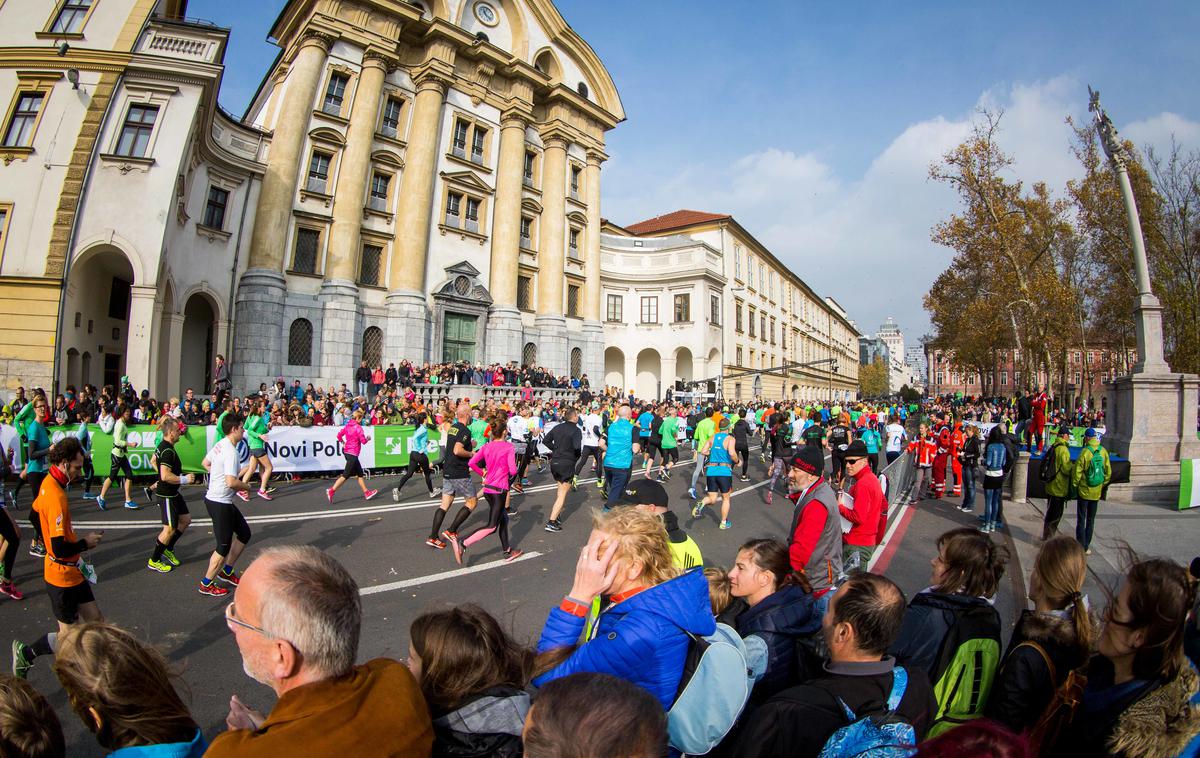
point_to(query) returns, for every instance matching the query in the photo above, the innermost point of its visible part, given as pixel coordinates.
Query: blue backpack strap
(899, 684)
(846, 710)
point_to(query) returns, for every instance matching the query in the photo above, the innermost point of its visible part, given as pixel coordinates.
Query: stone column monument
(1151, 417)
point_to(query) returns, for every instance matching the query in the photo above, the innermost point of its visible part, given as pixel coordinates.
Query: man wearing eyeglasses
(296, 618)
(866, 510)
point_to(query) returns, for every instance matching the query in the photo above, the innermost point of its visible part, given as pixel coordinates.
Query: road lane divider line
(419, 580)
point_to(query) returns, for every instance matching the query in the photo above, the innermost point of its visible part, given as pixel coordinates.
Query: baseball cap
(1090, 433)
(646, 493)
(810, 460)
(1065, 431)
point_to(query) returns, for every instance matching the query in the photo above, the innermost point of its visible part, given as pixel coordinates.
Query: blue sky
(815, 123)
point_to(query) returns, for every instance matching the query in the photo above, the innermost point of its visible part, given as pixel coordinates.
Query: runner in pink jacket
(496, 462)
(352, 438)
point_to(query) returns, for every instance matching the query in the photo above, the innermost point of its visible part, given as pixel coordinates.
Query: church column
(258, 348)
(408, 329)
(341, 322)
(173, 323)
(142, 302)
(550, 322)
(593, 329)
(504, 320)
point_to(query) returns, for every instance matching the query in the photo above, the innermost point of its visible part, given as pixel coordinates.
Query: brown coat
(377, 710)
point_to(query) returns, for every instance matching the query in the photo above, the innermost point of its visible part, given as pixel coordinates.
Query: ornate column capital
(318, 38)
(557, 137)
(431, 77)
(376, 58)
(596, 156)
(516, 117)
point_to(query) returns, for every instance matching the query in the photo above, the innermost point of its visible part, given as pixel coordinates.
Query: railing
(476, 393)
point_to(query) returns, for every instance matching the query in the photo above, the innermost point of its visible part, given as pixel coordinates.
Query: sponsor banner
(292, 448)
(11, 442)
(1189, 484)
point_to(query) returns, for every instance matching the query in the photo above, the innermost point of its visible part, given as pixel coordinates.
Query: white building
(662, 312)
(891, 335)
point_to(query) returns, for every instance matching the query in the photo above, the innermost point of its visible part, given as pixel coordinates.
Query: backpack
(1060, 711)
(884, 735)
(1049, 468)
(1095, 471)
(718, 674)
(966, 667)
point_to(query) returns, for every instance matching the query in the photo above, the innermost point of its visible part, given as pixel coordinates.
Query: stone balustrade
(434, 393)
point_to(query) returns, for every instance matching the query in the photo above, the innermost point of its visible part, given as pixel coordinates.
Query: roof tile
(675, 220)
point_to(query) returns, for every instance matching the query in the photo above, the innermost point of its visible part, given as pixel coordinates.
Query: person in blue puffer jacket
(647, 609)
(781, 611)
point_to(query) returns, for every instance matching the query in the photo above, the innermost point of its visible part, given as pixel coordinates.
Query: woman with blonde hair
(121, 689)
(627, 564)
(1049, 642)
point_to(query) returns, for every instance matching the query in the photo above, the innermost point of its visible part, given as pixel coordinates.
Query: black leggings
(8, 532)
(593, 452)
(497, 520)
(35, 483)
(227, 521)
(526, 457)
(417, 461)
(89, 473)
(744, 454)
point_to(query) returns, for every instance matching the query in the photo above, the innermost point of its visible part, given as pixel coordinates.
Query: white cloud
(1157, 132)
(866, 240)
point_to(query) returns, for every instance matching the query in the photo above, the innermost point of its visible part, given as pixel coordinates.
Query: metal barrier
(899, 475)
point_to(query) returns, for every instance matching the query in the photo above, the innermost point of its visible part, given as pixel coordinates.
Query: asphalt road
(382, 544)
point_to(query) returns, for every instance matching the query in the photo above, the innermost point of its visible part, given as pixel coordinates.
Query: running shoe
(37, 549)
(265, 495)
(770, 496)
(517, 488)
(456, 546)
(9, 589)
(21, 662)
(329, 495)
(541, 466)
(89, 496)
(512, 554)
(553, 526)
(661, 478)
(692, 493)
(985, 528)
(966, 509)
(100, 503)
(525, 481)
(149, 495)
(1088, 551)
(214, 589)
(396, 494)
(132, 506)
(510, 510)
(725, 524)
(698, 510)
(244, 496)
(370, 494)
(434, 542)
(434, 495)
(170, 558)
(270, 489)
(745, 478)
(599, 484)
(449, 536)
(229, 577)
(574, 483)
(161, 567)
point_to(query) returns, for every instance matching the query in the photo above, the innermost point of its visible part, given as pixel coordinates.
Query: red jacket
(870, 508)
(924, 450)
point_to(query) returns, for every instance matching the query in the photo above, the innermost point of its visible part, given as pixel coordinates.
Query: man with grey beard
(296, 618)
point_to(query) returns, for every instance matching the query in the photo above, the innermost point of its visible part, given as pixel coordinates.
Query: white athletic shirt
(797, 429)
(895, 437)
(591, 425)
(224, 460)
(518, 429)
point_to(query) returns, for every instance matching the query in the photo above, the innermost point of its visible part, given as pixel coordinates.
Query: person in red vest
(923, 451)
(1037, 427)
(942, 437)
(957, 438)
(867, 511)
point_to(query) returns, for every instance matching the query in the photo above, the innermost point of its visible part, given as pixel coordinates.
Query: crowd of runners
(831, 658)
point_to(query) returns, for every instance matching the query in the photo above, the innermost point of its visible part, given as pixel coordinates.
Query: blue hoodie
(780, 619)
(643, 639)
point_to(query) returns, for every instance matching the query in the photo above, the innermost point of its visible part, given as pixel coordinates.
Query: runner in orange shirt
(70, 592)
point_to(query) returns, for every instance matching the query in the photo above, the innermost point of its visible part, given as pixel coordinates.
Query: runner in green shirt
(478, 428)
(669, 444)
(119, 468)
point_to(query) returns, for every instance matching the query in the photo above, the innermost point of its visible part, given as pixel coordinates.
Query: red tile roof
(676, 220)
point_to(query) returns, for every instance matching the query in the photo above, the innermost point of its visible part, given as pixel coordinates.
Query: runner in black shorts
(175, 515)
(565, 441)
(229, 526)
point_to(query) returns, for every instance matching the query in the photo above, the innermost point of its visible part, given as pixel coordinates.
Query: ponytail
(798, 578)
(1061, 568)
(1083, 625)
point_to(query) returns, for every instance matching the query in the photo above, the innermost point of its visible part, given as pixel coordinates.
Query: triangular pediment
(462, 267)
(466, 180)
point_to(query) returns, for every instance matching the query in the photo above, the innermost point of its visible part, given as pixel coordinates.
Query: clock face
(487, 14)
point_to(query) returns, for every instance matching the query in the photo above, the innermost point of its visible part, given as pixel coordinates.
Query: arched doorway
(73, 375)
(649, 374)
(196, 357)
(683, 366)
(757, 386)
(614, 368)
(795, 392)
(97, 307)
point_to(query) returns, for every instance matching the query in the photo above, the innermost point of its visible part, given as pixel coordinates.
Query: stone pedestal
(1020, 477)
(504, 335)
(552, 343)
(1151, 420)
(341, 331)
(258, 347)
(408, 327)
(593, 353)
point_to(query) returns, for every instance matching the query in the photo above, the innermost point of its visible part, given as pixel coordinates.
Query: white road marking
(419, 580)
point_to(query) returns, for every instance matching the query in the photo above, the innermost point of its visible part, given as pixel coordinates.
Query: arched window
(300, 343)
(576, 363)
(372, 346)
(529, 355)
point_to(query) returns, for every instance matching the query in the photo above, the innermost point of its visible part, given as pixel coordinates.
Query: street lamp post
(1148, 311)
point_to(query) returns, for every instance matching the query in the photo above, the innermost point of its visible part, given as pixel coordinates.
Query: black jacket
(486, 726)
(362, 374)
(565, 442)
(780, 619)
(797, 722)
(741, 432)
(970, 452)
(1023, 687)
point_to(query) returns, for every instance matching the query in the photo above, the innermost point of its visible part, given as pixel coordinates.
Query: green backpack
(967, 665)
(1095, 470)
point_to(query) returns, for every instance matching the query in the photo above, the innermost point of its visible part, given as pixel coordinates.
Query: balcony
(187, 41)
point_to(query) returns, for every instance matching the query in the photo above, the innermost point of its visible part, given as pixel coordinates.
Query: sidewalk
(1150, 530)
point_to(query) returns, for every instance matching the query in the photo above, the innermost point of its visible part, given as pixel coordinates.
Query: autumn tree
(873, 379)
